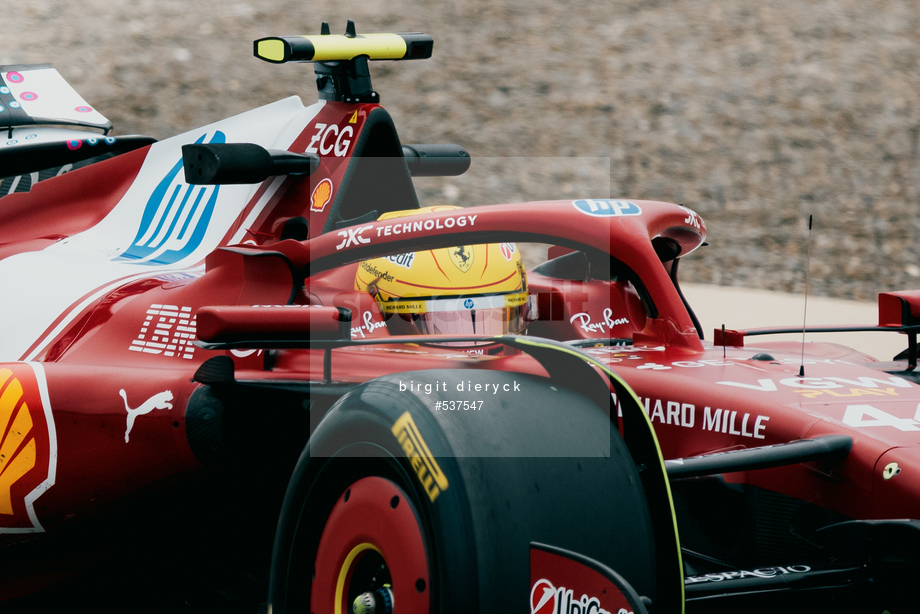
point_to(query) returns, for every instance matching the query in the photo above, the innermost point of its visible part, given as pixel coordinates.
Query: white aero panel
(43, 94)
(161, 224)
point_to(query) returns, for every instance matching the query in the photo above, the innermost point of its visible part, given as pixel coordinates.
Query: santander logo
(547, 599)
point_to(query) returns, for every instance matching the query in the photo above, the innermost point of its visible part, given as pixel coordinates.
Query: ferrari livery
(245, 369)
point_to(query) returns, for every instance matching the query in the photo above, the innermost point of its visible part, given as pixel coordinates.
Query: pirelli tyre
(406, 507)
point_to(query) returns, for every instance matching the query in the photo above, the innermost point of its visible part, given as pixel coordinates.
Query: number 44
(861, 416)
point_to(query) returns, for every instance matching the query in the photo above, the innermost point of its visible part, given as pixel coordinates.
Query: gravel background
(756, 113)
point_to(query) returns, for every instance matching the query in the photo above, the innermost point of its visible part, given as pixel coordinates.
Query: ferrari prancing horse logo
(462, 257)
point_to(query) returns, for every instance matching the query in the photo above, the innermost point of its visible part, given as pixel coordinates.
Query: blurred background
(755, 113)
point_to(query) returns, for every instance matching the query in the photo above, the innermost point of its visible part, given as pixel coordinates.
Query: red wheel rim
(373, 515)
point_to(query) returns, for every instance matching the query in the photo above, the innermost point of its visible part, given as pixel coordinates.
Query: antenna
(805, 311)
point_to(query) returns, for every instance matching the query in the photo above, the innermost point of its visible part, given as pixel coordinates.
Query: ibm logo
(167, 330)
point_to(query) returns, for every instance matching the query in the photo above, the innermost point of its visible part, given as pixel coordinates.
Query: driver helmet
(462, 290)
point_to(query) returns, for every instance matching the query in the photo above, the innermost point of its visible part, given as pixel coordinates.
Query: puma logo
(157, 401)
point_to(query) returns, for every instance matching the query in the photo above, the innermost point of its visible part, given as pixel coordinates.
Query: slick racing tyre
(408, 508)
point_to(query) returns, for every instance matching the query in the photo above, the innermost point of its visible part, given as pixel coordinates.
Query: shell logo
(27, 446)
(322, 194)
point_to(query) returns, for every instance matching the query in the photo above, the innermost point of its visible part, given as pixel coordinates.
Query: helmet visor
(490, 321)
(482, 315)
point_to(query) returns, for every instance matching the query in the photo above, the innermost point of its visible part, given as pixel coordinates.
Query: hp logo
(607, 208)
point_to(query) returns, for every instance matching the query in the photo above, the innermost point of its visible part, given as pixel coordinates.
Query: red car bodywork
(95, 408)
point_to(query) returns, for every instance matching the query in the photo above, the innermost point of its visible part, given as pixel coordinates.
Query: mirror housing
(269, 325)
(899, 308)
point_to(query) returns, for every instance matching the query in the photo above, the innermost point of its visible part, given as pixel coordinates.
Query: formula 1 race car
(245, 368)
